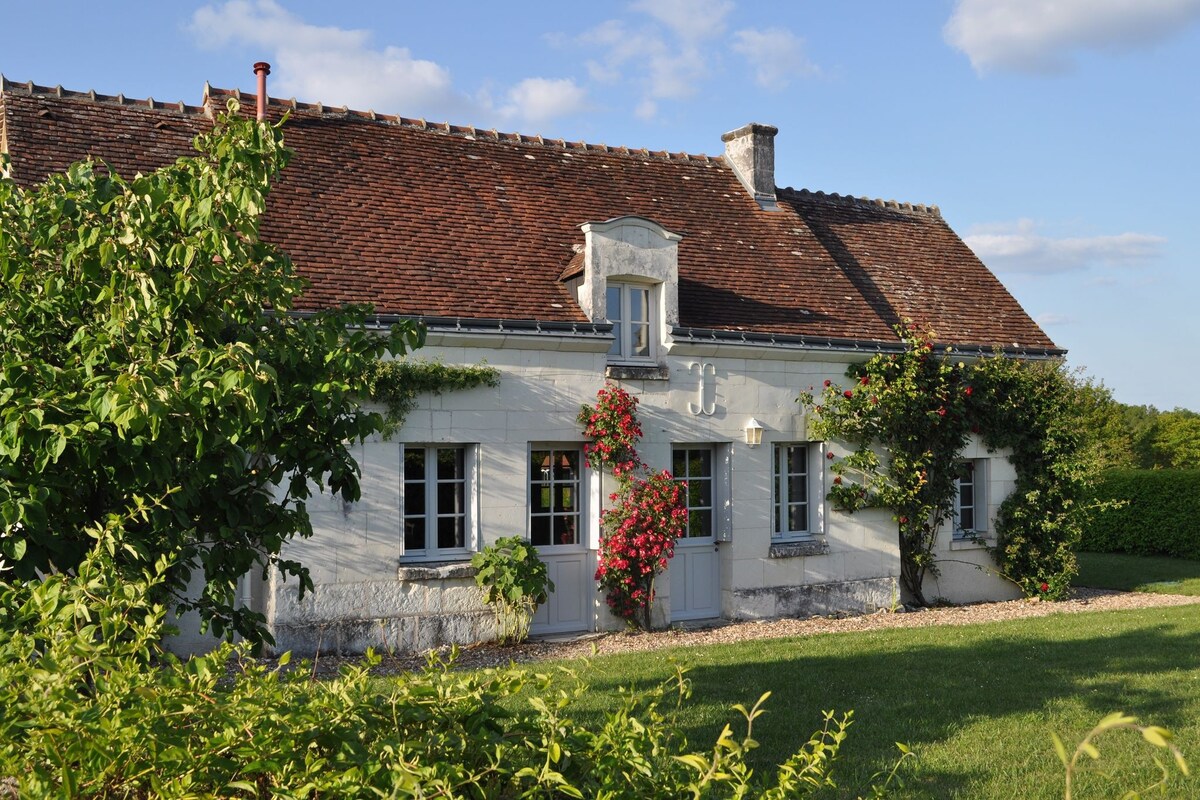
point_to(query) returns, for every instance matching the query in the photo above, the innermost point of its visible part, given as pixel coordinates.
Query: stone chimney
(750, 151)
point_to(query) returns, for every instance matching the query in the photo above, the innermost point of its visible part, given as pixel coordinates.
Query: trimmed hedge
(1160, 515)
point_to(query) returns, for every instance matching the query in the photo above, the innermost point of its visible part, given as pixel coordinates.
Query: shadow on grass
(924, 686)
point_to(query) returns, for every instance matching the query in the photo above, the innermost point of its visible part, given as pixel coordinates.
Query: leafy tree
(1175, 440)
(1142, 437)
(150, 372)
(1107, 424)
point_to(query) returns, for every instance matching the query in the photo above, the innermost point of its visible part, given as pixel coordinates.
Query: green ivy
(1033, 409)
(397, 384)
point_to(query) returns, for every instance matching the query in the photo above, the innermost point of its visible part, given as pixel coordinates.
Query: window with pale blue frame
(437, 493)
(555, 503)
(695, 466)
(630, 309)
(793, 508)
(970, 503)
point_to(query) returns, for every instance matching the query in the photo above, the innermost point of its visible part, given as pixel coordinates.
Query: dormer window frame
(624, 290)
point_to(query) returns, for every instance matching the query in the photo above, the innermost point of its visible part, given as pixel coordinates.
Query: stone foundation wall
(425, 607)
(818, 599)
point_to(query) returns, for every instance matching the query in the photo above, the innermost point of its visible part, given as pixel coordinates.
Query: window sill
(434, 570)
(634, 372)
(798, 548)
(980, 542)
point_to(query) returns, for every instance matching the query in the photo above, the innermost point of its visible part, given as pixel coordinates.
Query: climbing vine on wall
(908, 417)
(397, 384)
(648, 512)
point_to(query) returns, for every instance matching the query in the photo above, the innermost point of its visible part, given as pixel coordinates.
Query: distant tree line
(1142, 437)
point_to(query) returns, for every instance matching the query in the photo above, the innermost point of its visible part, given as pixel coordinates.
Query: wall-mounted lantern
(754, 431)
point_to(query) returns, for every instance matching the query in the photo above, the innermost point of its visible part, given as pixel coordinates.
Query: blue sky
(1060, 139)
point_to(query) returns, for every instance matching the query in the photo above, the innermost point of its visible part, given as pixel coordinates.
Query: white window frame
(580, 492)
(979, 506)
(713, 508)
(470, 503)
(623, 333)
(814, 463)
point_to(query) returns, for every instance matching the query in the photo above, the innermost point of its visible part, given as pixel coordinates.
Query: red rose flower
(848, 393)
(838, 480)
(827, 384)
(942, 412)
(865, 380)
(829, 456)
(968, 391)
(1045, 587)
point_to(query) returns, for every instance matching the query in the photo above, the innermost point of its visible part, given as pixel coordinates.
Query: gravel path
(489, 655)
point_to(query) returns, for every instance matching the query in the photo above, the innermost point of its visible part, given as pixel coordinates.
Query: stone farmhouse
(693, 281)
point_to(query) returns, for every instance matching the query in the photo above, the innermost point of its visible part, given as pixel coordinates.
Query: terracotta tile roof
(448, 221)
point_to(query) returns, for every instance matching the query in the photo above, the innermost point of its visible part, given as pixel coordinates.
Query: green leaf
(1159, 737)
(1061, 749)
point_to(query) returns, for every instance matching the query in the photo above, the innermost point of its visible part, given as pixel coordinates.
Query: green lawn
(1139, 573)
(977, 702)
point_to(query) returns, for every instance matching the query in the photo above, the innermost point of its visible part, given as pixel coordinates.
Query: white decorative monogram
(703, 391)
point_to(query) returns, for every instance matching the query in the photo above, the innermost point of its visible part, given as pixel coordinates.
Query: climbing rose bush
(613, 427)
(648, 513)
(640, 529)
(907, 418)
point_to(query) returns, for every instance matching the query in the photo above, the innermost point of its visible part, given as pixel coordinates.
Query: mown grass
(1128, 573)
(977, 703)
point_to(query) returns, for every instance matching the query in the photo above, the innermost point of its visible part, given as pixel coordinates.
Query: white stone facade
(368, 594)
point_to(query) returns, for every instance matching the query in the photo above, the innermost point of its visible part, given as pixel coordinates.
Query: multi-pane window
(435, 500)
(695, 465)
(970, 513)
(791, 474)
(630, 312)
(554, 501)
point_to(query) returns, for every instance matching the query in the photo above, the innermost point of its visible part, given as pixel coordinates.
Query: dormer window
(630, 309)
(630, 278)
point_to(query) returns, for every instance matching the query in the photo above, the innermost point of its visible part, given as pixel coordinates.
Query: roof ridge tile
(32, 89)
(891, 205)
(472, 131)
(211, 93)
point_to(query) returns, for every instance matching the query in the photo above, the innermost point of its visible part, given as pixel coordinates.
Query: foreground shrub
(94, 708)
(1153, 512)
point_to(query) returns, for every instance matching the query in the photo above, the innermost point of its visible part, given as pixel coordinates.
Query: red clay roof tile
(439, 220)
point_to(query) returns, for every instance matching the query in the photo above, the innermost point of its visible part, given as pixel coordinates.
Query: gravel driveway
(488, 655)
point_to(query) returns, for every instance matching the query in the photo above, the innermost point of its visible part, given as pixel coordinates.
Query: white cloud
(669, 70)
(1040, 36)
(1020, 248)
(329, 64)
(691, 20)
(775, 54)
(670, 48)
(1051, 318)
(341, 67)
(536, 100)
(647, 109)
